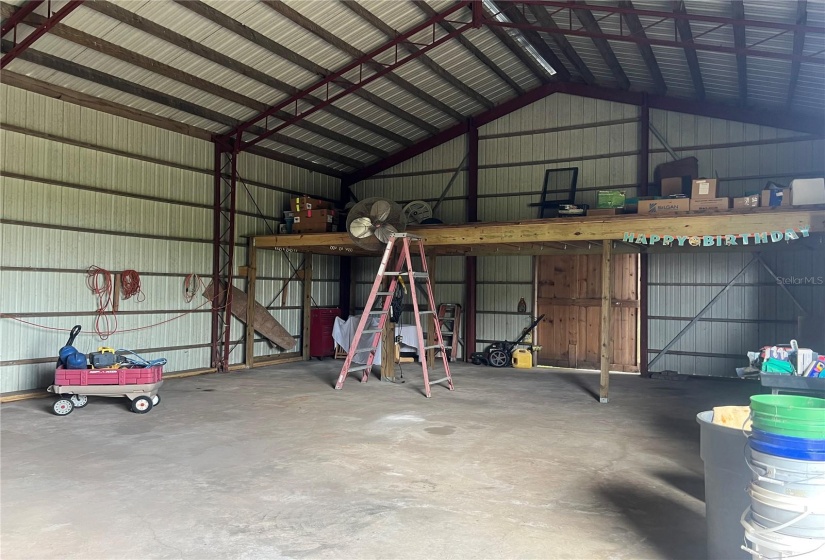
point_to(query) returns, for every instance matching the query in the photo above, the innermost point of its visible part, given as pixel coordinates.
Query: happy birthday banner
(718, 240)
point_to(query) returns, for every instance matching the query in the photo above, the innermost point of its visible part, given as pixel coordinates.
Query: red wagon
(139, 385)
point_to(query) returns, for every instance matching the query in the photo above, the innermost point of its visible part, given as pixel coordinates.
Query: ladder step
(425, 312)
(434, 346)
(378, 312)
(366, 349)
(358, 368)
(371, 331)
(439, 380)
(448, 333)
(383, 293)
(420, 275)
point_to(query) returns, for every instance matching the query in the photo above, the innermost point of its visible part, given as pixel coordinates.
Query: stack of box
(310, 215)
(703, 197)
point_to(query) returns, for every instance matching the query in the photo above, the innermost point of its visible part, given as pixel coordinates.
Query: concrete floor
(275, 464)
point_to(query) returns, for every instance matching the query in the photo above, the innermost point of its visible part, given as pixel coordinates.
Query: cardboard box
(703, 189)
(751, 201)
(610, 199)
(709, 204)
(664, 206)
(673, 185)
(604, 211)
(807, 191)
(299, 203)
(775, 197)
(314, 221)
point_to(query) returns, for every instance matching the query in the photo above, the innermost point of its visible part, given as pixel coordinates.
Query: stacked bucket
(786, 453)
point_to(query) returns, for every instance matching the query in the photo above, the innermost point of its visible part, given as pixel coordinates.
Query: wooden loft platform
(549, 236)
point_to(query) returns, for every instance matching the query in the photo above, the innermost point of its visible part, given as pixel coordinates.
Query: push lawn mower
(500, 354)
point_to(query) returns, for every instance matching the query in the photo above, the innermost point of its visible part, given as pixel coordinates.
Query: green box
(610, 199)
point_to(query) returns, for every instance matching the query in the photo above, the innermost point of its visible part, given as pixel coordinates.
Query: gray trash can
(727, 478)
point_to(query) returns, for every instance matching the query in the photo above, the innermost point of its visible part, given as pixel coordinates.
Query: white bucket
(788, 515)
(763, 543)
(792, 477)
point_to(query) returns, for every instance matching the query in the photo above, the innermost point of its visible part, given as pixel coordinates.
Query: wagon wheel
(142, 405)
(498, 358)
(62, 406)
(155, 400)
(79, 401)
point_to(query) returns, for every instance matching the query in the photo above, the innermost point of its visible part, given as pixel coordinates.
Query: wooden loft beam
(798, 48)
(433, 66)
(513, 14)
(603, 46)
(297, 18)
(685, 33)
(738, 9)
(133, 20)
(131, 57)
(545, 20)
(475, 51)
(440, 239)
(646, 51)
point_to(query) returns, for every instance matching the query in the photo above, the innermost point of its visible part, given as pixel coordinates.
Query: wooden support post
(431, 322)
(607, 284)
(388, 351)
(251, 272)
(307, 279)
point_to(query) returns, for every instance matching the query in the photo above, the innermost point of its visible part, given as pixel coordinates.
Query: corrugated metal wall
(601, 139)
(743, 156)
(82, 188)
(754, 312)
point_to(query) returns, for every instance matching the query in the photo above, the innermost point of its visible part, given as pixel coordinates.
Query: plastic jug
(522, 359)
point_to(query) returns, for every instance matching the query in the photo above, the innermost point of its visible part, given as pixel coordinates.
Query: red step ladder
(402, 267)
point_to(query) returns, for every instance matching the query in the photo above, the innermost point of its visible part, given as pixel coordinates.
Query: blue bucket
(787, 447)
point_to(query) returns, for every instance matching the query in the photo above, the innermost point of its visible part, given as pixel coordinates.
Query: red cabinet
(321, 321)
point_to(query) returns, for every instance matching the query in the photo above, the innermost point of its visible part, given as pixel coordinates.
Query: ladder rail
(404, 257)
(365, 316)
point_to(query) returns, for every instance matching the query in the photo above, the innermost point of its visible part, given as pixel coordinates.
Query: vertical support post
(471, 262)
(307, 306)
(472, 172)
(388, 351)
(470, 307)
(432, 322)
(251, 277)
(606, 346)
(345, 285)
(223, 251)
(644, 344)
(644, 146)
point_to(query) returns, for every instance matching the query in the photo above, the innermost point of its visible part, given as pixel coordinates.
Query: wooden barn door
(569, 294)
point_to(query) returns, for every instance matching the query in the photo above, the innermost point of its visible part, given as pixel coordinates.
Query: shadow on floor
(676, 531)
(581, 382)
(691, 484)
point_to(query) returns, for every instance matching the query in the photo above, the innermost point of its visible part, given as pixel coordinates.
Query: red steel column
(471, 262)
(644, 147)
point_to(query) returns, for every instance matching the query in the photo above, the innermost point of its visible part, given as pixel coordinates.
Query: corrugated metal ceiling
(413, 117)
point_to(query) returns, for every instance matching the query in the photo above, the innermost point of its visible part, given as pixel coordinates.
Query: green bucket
(789, 415)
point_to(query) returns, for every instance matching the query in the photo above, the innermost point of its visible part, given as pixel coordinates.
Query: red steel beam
(19, 15)
(676, 15)
(659, 42)
(39, 31)
(358, 63)
(809, 123)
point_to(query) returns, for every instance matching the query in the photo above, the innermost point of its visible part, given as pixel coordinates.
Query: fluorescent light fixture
(518, 36)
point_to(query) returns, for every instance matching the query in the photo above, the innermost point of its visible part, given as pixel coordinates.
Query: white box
(807, 191)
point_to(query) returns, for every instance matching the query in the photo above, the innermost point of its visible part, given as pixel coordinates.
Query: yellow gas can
(522, 358)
